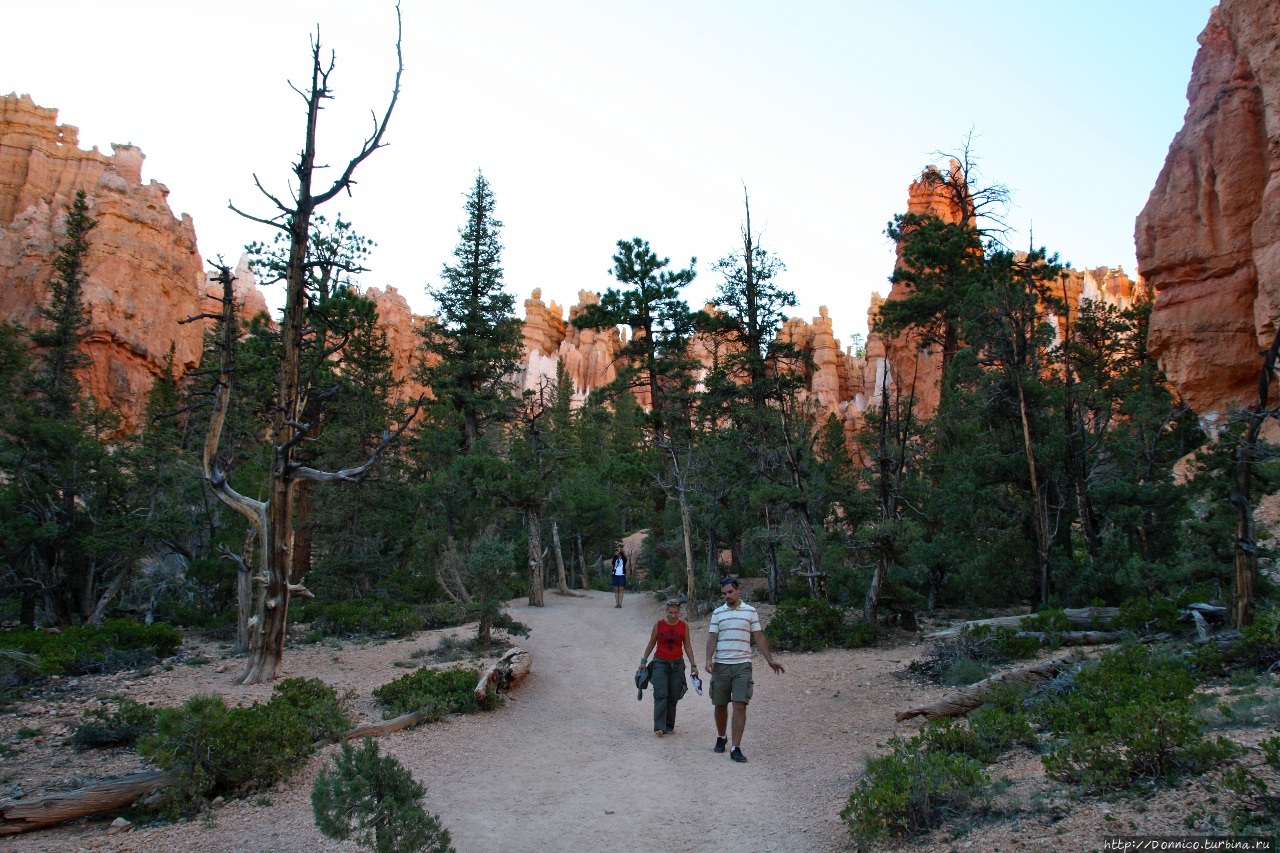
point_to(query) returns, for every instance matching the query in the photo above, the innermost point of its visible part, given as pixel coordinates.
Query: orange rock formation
(144, 273)
(1208, 239)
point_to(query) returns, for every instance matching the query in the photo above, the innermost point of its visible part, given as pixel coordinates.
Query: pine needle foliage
(373, 800)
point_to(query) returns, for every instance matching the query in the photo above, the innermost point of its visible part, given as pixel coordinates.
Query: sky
(601, 120)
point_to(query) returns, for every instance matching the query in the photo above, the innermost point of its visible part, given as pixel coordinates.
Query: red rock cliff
(144, 273)
(1208, 239)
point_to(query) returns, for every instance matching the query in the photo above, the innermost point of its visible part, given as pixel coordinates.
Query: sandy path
(570, 762)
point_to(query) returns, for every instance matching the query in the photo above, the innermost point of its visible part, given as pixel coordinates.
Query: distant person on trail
(671, 636)
(733, 624)
(619, 576)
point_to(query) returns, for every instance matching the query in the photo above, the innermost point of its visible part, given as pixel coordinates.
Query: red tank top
(671, 639)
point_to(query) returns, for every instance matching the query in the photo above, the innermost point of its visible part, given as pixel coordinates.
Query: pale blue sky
(599, 120)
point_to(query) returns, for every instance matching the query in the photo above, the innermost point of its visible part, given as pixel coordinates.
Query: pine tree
(373, 800)
(474, 346)
(57, 386)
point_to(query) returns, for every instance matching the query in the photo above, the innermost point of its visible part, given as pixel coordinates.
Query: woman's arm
(653, 641)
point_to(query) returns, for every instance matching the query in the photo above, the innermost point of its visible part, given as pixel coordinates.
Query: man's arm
(710, 660)
(763, 645)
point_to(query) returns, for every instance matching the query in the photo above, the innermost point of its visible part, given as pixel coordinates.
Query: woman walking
(671, 637)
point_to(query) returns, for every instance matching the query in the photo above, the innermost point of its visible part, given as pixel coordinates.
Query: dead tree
(963, 701)
(893, 440)
(273, 518)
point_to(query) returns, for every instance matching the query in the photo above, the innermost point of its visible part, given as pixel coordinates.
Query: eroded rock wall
(1208, 240)
(144, 272)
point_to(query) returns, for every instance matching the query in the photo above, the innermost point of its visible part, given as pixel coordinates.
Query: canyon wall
(1208, 240)
(144, 273)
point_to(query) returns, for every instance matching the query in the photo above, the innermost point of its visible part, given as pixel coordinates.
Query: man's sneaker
(720, 743)
(736, 754)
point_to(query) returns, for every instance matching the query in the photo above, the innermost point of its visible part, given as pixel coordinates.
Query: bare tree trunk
(562, 578)
(23, 815)
(100, 609)
(1245, 585)
(582, 563)
(1041, 510)
(244, 592)
(686, 522)
(533, 529)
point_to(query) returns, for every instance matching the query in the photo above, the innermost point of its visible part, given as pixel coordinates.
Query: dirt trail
(570, 762)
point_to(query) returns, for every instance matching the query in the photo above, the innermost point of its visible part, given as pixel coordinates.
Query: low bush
(373, 800)
(213, 749)
(811, 624)
(438, 692)
(103, 729)
(366, 616)
(84, 649)
(1259, 643)
(1130, 717)
(316, 703)
(1050, 620)
(1145, 615)
(964, 671)
(915, 787)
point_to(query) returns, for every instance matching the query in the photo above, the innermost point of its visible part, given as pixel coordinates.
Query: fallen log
(386, 727)
(23, 815)
(1082, 619)
(505, 672)
(1076, 638)
(961, 702)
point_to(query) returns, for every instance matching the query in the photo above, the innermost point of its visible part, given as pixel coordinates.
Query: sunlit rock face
(144, 272)
(1208, 239)
(401, 326)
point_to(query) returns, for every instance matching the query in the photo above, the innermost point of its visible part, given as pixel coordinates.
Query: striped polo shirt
(733, 627)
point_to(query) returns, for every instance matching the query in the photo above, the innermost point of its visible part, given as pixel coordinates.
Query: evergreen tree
(661, 324)
(474, 346)
(57, 388)
(65, 491)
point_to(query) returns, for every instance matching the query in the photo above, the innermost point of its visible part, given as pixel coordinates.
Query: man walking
(733, 624)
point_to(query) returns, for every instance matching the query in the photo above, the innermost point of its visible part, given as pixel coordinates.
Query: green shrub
(374, 801)
(1129, 717)
(375, 617)
(1050, 620)
(437, 692)
(1259, 643)
(102, 729)
(964, 671)
(213, 749)
(316, 703)
(999, 645)
(811, 624)
(84, 649)
(1145, 614)
(1271, 750)
(913, 788)
(999, 729)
